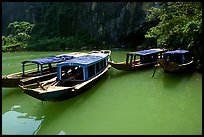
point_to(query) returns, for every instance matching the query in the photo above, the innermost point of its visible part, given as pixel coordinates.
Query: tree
(180, 24)
(18, 37)
(20, 30)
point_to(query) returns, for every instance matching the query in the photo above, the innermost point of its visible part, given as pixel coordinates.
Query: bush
(18, 38)
(16, 47)
(61, 43)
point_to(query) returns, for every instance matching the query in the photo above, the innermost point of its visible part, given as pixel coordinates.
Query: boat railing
(35, 72)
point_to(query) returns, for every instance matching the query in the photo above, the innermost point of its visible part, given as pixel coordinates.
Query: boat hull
(130, 67)
(52, 96)
(12, 81)
(16, 79)
(65, 93)
(169, 66)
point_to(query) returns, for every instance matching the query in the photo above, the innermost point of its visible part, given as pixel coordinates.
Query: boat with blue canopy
(74, 76)
(176, 60)
(138, 60)
(37, 70)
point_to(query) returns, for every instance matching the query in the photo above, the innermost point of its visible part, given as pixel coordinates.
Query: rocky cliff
(122, 23)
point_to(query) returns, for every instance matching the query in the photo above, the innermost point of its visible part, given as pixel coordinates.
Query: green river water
(121, 103)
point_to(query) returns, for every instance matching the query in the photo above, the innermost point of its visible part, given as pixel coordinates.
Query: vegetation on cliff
(19, 34)
(180, 26)
(92, 25)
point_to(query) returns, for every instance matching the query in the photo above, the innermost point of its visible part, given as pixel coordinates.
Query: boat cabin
(177, 56)
(82, 68)
(145, 56)
(44, 65)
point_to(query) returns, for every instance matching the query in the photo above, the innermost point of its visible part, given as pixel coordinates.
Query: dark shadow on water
(172, 80)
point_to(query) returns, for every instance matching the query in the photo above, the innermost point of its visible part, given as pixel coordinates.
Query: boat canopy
(47, 60)
(146, 52)
(82, 61)
(178, 56)
(85, 62)
(176, 52)
(50, 59)
(146, 56)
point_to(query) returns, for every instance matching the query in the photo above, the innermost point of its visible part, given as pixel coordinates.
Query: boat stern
(10, 82)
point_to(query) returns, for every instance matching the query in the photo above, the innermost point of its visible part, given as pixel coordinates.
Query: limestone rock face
(122, 23)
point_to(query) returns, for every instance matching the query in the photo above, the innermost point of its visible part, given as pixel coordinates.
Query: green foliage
(20, 27)
(9, 40)
(62, 43)
(18, 38)
(180, 24)
(14, 47)
(20, 30)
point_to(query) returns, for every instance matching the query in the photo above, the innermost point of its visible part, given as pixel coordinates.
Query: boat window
(187, 58)
(72, 72)
(143, 59)
(91, 70)
(175, 58)
(148, 58)
(98, 67)
(67, 70)
(104, 63)
(153, 57)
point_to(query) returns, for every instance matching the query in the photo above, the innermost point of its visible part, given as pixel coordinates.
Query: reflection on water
(172, 80)
(20, 116)
(69, 112)
(62, 133)
(120, 103)
(17, 123)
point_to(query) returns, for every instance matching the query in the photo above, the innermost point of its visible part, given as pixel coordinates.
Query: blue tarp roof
(50, 59)
(176, 52)
(83, 60)
(146, 52)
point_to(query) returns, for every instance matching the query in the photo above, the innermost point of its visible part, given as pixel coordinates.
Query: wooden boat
(45, 68)
(147, 58)
(73, 77)
(176, 61)
(108, 52)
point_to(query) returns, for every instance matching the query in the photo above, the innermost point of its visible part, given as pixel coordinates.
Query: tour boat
(74, 76)
(147, 58)
(44, 69)
(176, 61)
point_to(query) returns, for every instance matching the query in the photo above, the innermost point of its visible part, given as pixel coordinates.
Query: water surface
(120, 103)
